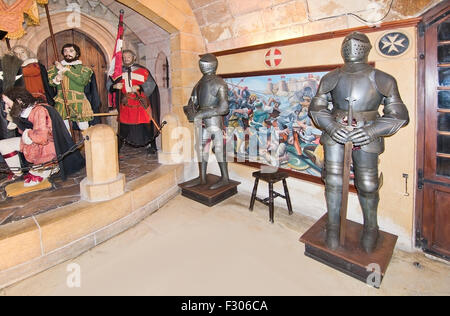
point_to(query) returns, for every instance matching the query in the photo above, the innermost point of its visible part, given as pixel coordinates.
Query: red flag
(115, 69)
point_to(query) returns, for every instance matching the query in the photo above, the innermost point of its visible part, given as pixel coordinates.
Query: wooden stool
(271, 178)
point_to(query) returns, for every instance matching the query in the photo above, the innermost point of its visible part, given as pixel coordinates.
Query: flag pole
(120, 33)
(55, 51)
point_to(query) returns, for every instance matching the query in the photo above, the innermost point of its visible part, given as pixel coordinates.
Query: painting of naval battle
(268, 121)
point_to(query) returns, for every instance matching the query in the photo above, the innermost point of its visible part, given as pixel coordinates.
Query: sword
(346, 173)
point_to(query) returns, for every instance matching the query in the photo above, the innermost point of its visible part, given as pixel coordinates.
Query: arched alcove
(162, 77)
(104, 33)
(186, 43)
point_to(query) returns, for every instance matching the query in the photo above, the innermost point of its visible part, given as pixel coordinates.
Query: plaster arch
(186, 43)
(105, 35)
(170, 15)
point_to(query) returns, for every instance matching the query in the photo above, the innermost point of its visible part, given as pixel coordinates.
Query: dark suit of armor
(356, 90)
(207, 107)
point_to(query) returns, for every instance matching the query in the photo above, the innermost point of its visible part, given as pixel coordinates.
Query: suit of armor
(356, 91)
(207, 107)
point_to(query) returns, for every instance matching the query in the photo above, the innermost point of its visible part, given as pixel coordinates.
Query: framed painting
(268, 122)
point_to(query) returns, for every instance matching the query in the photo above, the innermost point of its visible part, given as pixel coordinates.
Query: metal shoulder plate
(329, 81)
(385, 83)
(218, 83)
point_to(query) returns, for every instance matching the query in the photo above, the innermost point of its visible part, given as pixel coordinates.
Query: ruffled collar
(26, 113)
(30, 61)
(73, 63)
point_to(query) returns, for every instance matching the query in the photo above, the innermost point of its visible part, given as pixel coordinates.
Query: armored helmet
(356, 47)
(208, 64)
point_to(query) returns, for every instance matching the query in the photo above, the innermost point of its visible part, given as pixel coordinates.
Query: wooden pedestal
(351, 259)
(202, 193)
(17, 188)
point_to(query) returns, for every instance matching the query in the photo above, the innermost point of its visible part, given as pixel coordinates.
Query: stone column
(103, 181)
(175, 141)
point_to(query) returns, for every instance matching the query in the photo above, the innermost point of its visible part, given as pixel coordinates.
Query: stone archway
(104, 33)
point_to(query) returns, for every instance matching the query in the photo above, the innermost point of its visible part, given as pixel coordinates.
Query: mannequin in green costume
(75, 77)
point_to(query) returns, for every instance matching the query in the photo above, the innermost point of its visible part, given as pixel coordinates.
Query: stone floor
(188, 249)
(133, 162)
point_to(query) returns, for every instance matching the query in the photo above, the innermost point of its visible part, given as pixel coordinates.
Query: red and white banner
(115, 69)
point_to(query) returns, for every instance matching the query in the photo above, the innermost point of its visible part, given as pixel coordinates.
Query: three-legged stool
(271, 178)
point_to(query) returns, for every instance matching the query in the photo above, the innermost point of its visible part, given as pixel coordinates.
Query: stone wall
(228, 24)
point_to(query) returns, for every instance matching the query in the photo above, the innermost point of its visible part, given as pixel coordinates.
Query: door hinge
(420, 179)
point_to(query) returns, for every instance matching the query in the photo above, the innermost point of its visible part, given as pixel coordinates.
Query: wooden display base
(202, 193)
(18, 188)
(351, 259)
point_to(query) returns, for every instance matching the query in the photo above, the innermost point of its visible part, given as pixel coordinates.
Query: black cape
(156, 108)
(91, 92)
(71, 163)
(50, 92)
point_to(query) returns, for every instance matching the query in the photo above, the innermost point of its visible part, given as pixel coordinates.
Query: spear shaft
(55, 52)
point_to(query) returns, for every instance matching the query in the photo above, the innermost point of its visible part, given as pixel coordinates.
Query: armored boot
(224, 180)
(202, 175)
(334, 199)
(369, 205)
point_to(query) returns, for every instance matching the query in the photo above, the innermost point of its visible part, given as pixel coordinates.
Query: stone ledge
(33, 245)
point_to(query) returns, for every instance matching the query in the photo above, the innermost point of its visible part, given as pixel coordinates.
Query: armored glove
(190, 112)
(383, 127)
(362, 136)
(337, 132)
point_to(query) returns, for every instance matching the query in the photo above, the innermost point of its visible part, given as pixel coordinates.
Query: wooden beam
(323, 36)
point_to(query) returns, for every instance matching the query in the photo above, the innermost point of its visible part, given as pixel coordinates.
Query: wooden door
(434, 176)
(91, 56)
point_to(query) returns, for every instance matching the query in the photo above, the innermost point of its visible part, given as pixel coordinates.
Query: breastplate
(207, 93)
(360, 87)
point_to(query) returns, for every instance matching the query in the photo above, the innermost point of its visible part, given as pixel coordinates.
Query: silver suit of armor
(207, 106)
(356, 92)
